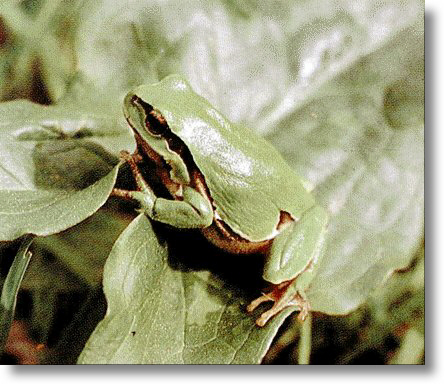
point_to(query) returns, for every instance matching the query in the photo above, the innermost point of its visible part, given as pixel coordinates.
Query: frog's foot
(143, 196)
(130, 158)
(142, 185)
(124, 194)
(284, 295)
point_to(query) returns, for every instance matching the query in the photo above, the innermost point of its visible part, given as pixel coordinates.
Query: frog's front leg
(292, 263)
(193, 211)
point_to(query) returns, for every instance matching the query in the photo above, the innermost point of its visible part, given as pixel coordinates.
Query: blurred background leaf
(37, 52)
(11, 287)
(55, 169)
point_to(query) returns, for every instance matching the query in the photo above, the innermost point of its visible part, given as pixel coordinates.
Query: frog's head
(152, 131)
(170, 104)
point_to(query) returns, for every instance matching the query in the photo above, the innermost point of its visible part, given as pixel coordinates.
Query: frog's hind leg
(292, 263)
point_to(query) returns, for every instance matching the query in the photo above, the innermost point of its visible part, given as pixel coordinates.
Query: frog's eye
(155, 123)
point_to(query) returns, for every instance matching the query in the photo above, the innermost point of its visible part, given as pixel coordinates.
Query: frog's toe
(256, 302)
(124, 155)
(277, 308)
(304, 310)
(262, 320)
(283, 296)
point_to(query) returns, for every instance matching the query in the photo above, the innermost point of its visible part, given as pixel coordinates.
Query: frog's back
(249, 181)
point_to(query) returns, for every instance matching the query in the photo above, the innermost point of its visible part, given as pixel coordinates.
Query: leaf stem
(304, 344)
(11, 287)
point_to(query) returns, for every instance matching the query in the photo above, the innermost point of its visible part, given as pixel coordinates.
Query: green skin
(249, 183)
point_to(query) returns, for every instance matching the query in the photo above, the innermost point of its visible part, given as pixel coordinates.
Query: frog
(228, 182)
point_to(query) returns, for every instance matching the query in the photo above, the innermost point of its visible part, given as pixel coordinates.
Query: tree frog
(227, 181)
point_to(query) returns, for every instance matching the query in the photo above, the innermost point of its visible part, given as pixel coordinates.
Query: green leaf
(11, 288)
(161, 314)
(48, 212)
(73, 247)
(53, 171)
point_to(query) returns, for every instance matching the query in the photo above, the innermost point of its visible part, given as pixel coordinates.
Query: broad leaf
(53, 173)
(161, 313)
(368, 168)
